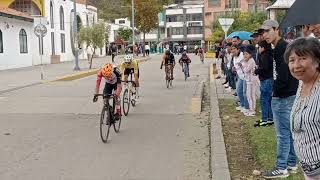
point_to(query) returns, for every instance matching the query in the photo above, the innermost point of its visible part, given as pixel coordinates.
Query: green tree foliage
(111, 9)
(94, 36)
(146, 16)
(243, 21)
(125, 34)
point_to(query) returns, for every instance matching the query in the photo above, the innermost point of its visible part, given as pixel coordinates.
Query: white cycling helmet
(127, 58)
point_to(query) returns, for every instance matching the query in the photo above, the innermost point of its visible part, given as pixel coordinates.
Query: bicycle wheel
(126, 102)
(105, 123)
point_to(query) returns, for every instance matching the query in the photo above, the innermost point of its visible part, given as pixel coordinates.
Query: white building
(183, 24)
(21, 47)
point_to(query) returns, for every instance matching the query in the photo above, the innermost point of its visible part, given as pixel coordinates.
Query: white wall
(174, 24)
(194, 35)
(11, 56)
(174, 11)
(194, 10)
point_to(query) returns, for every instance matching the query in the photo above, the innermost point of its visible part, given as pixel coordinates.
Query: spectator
(147, 47)
(218, 49)
(303, 58)
(306, 32)
(237, 41)
(249, 66)
(241, 84)
(264, 71)
(284, 91)
(114, 52)
(245, 43)
(315, 29)
(230, 77)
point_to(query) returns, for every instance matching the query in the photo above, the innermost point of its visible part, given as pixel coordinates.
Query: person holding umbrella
(283, 95)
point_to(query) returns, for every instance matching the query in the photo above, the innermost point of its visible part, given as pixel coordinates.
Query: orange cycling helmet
(107, 70)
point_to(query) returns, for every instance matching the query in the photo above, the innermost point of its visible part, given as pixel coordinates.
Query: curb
(196, 101)
(219, 162)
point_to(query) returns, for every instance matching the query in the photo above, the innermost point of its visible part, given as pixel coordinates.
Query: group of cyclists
(113, 75)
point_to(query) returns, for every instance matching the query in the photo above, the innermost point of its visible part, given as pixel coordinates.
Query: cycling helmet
(127, 58)
(107, 70)
(184, 53)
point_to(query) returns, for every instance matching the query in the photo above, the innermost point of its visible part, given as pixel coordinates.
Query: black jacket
(285, 84)
(265, 65)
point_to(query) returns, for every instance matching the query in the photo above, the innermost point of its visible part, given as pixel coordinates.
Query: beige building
(217, 8)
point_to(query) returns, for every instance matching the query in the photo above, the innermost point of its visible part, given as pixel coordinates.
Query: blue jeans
(242, 93)
(265, 99)
(285, 150)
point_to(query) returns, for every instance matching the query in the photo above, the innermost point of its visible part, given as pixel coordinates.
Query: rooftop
(11, 13)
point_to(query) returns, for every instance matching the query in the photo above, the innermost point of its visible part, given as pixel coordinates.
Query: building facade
(183, 24)
(218, 8)
(56, 16)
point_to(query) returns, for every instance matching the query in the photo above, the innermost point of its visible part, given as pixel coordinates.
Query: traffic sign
(40, 30)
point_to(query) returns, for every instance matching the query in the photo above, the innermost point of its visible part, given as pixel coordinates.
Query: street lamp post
(132, 2)
(75, 36)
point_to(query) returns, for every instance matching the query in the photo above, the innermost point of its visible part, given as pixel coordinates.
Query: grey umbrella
(302, 12)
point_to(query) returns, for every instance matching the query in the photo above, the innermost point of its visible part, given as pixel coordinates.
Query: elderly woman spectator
(303, 58)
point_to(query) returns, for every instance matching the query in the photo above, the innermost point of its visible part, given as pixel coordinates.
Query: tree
(125, 34)
(94, 36)
(111, 9)
(243, 21)
(146, 16)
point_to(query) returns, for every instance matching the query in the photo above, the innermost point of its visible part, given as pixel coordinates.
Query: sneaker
(270, 122)
(261, 124)
(239, 108)
(276, 173)
(258, 121)
(250, 113)
(292, 169)
(244, 110)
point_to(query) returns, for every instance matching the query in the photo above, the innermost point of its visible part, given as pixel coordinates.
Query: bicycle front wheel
(105, 123)
(126, 102)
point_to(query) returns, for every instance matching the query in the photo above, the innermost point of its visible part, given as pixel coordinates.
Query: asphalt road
(51, 131)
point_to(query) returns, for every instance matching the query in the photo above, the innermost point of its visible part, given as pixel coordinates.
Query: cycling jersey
(133, 65)
(114, 79)
(169, 60)
(185, 59)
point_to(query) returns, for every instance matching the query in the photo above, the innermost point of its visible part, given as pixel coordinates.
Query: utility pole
(132, 2)
(75, 36)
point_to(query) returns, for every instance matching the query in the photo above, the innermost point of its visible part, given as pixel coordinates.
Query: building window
(122, 21)
(214, 2)
(63, 43)
(25, 6)
(23, 41)
(230, 4)
(194, 30)
(61, 18)
(194, 17)
(177, 31)
(53, 50)
(174, 18)
(1, 42)
(51, 15)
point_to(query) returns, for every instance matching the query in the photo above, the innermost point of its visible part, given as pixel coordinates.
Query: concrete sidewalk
(14, 79)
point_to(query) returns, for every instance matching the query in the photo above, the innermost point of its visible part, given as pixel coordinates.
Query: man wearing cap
(283, 95)
(315, 29)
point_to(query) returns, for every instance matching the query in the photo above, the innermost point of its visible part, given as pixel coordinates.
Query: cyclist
(201, 53)
(169, 62)
(112, 77)
(129, 66)
(185, 59)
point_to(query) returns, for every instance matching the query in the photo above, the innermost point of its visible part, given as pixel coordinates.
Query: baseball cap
(268, 24)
